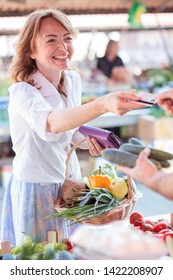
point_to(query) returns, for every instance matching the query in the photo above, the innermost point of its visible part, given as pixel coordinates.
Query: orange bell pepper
(99, 181)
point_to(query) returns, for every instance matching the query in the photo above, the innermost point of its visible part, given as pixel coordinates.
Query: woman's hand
(122, 102)
(165, 100)
(94, 147)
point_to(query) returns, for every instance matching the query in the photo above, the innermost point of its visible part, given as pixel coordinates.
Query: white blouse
(40, 156)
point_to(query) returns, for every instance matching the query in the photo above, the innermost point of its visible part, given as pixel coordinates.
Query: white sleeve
(26, 101)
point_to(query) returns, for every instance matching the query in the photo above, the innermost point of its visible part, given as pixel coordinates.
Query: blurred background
(143, 31)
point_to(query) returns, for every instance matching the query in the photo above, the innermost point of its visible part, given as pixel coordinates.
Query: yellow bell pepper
(119, 188)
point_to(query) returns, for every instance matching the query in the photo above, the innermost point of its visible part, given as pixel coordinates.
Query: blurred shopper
(110, 59)
(112, 65)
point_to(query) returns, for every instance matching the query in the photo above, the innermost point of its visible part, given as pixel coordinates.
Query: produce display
(128, 153)
(103, 192)
(159, 76)
(29, 250)
(160, 228)
(136, 238)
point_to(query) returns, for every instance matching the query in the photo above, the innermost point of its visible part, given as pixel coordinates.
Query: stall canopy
(76, 7)
(89, 15)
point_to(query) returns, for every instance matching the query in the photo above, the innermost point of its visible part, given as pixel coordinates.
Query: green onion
(104, 203)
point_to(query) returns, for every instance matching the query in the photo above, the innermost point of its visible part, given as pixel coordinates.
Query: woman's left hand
(94, 147)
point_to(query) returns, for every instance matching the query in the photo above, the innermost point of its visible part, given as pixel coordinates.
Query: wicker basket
(120, 212)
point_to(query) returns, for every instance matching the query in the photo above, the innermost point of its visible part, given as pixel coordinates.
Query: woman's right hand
(121, 102)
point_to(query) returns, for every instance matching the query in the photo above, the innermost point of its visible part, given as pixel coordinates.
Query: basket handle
(69, 155)
(130, 186)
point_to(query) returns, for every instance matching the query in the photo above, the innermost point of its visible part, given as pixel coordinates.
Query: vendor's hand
(165, 100)
(94, 147)
(142, 163)
(121, 102)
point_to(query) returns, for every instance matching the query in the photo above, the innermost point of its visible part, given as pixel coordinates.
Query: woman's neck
(52, 77)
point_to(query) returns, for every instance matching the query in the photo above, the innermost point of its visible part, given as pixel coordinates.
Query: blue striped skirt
(24, 209)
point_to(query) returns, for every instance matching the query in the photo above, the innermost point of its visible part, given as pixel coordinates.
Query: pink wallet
(105, 138)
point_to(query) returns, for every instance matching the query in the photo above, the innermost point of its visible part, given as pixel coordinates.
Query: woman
(110, 60)
(44, 113)
(112, 65)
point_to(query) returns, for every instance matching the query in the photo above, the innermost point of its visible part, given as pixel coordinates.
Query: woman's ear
(32, 56)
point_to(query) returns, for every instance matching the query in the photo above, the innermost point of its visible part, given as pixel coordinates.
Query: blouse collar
(45, 87)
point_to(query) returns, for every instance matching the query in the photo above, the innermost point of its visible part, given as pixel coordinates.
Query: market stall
(104, 202)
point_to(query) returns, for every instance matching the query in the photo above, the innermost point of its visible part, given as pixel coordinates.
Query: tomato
(146, 227)
(136, 218)
(159, 226)
(69, 245)
(147, 221)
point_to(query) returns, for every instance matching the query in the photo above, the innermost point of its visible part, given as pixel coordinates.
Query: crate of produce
(55, 248)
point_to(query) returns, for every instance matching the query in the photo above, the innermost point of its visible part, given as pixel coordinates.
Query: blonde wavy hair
(23, 65)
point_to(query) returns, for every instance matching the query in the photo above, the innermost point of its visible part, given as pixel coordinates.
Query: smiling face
(53, 48)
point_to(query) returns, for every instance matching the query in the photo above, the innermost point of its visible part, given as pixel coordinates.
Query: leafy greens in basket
(105, 191)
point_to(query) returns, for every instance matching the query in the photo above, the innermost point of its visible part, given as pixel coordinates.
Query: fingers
(129, 96)
(165, 98)
(97, 146)
(143, 159)
(124, 102)
(144, 154)
(132, 105)
(165, 103)
(94, 147)
(165, 95)
(130, 101)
